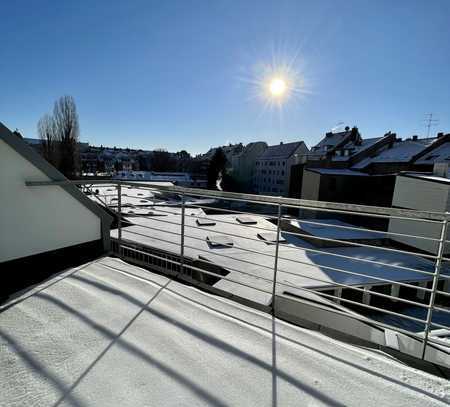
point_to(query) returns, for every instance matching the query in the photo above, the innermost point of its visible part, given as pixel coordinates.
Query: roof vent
(246, 220)
(219, 241)
(271, 237)
(205, 222)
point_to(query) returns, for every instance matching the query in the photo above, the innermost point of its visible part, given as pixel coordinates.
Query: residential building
(421, 191)
(273, 168)
(60, 222)
(243, 164)
(335, 168)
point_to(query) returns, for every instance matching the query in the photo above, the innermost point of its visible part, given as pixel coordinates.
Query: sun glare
(277, 87)
(278, 82)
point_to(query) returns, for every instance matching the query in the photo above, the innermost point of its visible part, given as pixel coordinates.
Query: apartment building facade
(272, 174)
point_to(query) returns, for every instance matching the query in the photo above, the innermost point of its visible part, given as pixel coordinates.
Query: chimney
(415, 138)
(440, 135)
(329, 134)
(281, 143)
(440, 169)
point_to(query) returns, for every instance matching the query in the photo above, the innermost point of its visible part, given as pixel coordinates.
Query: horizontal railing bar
(371, 307)
(358, 229)
(364, 319)
(322, 294)
(440, 309)
(326, 239)
(210, 217)
(205, 261)
(200, 270)
(400, 299)
(284, 246)
(443, 292)
(374, 293)
(269, 200)
(351, 314)
(162, 240)
(410, 218)
(383, 280)
(436, 324)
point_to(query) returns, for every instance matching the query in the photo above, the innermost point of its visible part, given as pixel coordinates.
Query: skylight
(219, 241)
(246, 220)
(271, 237)
(205, 222)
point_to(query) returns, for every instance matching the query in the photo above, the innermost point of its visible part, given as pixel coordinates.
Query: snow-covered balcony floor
(112, 334)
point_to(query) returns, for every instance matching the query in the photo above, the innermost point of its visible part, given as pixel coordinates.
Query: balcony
(214, 298)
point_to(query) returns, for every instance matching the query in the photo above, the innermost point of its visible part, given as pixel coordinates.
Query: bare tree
(46, 131)
(66, 127)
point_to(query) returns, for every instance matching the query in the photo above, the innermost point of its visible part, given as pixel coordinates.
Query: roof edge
(21, 147)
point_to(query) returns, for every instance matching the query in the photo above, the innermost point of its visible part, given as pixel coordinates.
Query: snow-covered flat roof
(337, 171)
(112, 334)
(132, 195)
(320, 228)
(296, 266)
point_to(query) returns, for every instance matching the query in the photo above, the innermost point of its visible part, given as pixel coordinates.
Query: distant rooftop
(280, 151)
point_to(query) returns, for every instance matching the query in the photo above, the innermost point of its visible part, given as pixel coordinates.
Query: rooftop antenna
(429, 122)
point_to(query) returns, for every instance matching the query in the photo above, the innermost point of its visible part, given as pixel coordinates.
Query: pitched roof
(280, 151)
(401, 151)
(332, 139)
(441, 153)
(356, 148)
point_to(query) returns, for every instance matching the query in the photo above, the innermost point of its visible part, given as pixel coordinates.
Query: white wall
(38, 219)
(419, 194)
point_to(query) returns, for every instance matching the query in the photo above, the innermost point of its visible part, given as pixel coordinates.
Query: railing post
(183, 211)
(436, 275)
(119, 217)
(275, 266)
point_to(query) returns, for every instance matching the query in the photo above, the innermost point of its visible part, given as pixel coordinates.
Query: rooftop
(250, 253)
(280, 151)
(109, 333)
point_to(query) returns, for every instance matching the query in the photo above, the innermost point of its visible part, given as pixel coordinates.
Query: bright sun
(277, 87)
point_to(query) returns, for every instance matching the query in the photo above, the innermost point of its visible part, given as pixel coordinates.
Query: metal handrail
(124, 244)
(364, 210)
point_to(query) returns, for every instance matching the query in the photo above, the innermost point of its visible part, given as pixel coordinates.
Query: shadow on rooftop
(224, 346)
(288, 339)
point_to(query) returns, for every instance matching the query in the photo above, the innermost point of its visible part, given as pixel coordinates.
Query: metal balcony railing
(388, 283)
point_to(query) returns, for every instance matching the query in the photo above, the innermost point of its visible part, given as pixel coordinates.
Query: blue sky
(174, 74)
